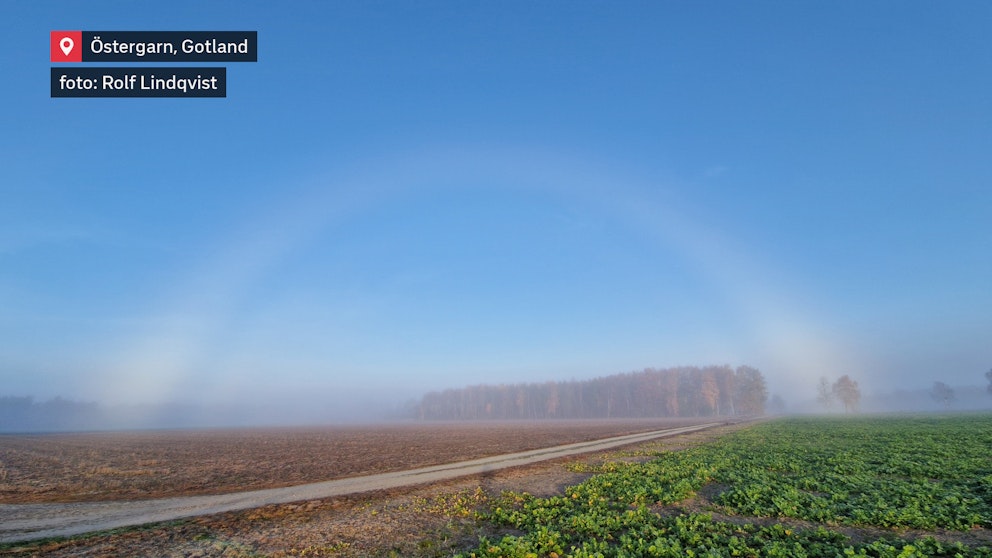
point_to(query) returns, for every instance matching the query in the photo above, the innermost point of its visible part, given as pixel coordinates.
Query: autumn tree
(670, 386)
(709, 392)
(847, 391)
(725, 381)
(751, 391)
(551, 406)
(942, 393)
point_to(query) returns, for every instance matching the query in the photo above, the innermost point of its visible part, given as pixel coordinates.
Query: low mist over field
(686, 392)
(395, 201)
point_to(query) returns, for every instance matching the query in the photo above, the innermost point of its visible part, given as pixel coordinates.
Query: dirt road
(22, 522)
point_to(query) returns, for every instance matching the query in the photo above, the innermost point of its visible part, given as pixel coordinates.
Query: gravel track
(24, 522)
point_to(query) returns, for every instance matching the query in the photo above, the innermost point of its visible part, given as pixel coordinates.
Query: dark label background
(122, 73)
(174, 37)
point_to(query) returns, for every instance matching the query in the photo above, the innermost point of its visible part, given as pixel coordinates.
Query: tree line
(24, 414)
(846, 390)
(944, 394)
(650, 393)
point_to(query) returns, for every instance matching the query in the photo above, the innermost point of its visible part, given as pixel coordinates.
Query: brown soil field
(426, 521)
(153, 464)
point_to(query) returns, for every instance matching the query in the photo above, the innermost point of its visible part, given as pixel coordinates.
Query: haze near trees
(942, 393)
(672, 392)
(845, 390)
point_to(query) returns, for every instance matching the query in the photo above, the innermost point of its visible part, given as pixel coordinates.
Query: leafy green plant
(921, 473)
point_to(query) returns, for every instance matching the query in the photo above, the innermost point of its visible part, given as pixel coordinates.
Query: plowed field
(138, 465)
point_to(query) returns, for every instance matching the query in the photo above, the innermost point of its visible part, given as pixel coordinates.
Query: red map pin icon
(67, 46)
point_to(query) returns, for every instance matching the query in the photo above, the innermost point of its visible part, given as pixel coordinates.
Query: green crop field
(886, 487)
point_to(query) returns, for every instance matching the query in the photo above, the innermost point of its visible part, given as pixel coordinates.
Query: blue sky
(399, 197)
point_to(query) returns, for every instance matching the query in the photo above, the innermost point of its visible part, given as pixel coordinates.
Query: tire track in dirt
(24, 522)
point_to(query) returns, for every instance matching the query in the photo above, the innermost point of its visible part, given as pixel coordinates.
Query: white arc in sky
(66, 43)
(789, 345)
